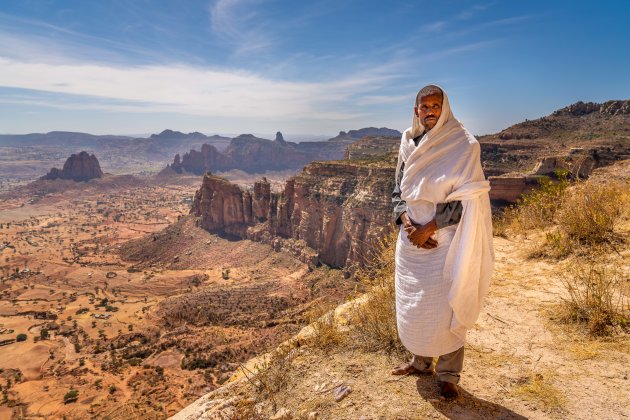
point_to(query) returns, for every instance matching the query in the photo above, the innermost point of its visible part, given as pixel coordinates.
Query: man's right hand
(419, 235)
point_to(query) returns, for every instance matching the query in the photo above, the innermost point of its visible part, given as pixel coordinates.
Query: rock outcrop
(371, 147)
(354, 135)
(332, 212)
(78, 167)
(254, 155)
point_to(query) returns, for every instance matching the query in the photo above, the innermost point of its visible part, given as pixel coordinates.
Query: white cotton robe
(439, 292)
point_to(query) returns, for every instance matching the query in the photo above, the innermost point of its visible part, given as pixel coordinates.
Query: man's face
(429, 110)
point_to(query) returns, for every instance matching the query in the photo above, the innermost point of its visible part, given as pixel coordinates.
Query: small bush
(537, 209)
(599, 296)
(21, 337)
(589, 214)
(71, 396)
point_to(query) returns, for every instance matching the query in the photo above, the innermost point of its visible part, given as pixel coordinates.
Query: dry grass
(591, 210)
(273, 373)
(374, 321)
(326, 332)
(537, 388)
(581, 220)
(599, 295)
(538, 208)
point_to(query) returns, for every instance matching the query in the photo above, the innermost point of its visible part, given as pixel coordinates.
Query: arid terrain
(138, 319)
(135, 293)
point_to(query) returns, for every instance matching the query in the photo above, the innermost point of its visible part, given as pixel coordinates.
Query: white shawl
(446, 166)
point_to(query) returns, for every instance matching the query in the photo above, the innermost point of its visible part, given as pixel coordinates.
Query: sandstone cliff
(78, 167)
(335, 209)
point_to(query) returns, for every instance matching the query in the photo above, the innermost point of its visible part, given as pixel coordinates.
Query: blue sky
(317, 67)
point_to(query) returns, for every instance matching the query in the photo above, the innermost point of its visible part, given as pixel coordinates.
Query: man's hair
(428, 90)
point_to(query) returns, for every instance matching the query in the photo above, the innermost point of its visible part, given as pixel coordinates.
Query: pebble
(281, 414)
(341, 392)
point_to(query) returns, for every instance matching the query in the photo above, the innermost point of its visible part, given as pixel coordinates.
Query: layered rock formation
(254, 155)
(332, 212)
(372, 147)
(78, 167)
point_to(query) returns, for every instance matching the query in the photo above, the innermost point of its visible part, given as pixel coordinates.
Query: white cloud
(190, 90)
(238, 23)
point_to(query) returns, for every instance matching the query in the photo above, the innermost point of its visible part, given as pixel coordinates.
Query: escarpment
(332, 212)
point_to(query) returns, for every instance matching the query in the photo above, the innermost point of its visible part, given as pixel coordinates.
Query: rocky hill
(78, 167)
(332, 212)
(354, 135)
(579, 120)
(255, 155)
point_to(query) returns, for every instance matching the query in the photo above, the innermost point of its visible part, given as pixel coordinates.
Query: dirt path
(519, 363)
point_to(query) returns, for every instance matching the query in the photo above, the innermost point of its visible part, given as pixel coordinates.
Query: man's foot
(409, 369)
(449, 390)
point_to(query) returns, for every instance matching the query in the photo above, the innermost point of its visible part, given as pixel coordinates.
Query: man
(444, 255)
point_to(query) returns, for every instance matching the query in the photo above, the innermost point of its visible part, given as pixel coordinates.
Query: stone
(282, 414)
(341, 392)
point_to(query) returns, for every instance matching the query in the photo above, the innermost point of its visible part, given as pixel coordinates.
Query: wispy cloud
(238, 23)
(188, 89)
(435, 26)
(472, 11)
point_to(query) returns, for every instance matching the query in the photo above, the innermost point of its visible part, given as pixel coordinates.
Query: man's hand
(419, 235)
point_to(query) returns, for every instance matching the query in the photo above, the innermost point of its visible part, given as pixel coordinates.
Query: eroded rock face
(78, 167)
(255, 155)
(370, 147)
(337, 209)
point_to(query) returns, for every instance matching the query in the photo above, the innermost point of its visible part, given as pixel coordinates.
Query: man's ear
(415, 111)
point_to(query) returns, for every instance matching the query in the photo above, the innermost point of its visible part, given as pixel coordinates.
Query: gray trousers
(448, 366)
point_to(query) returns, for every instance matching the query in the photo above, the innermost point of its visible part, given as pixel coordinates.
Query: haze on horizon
(236, 66)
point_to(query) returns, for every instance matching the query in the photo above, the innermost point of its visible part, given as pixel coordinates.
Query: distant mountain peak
(169, 134)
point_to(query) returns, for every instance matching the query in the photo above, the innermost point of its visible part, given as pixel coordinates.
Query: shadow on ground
(465, 407)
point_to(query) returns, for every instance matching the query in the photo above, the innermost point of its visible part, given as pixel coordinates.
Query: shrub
(21, 337)
(589, 214)
(599, 296)
(71, 396)
(537, 209)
